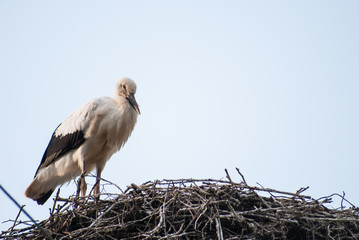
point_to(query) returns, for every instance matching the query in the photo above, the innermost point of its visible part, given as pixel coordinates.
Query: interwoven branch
(195, 209)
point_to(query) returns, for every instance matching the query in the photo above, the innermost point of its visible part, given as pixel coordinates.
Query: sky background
(270, 87)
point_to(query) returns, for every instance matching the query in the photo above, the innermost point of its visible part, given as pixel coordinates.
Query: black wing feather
(44, 198)
(60, 145)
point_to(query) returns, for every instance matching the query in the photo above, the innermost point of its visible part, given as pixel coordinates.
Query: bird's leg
(82, 185)
(96, 190)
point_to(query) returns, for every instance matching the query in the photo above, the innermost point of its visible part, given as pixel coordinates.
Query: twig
(45, 232)
(55, 201)
(219, 229)
(243, 179)
(227, 175)
(16, 218)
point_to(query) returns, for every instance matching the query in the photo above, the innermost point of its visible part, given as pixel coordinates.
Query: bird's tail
(47, 179)
(45, 197)
(38, 191)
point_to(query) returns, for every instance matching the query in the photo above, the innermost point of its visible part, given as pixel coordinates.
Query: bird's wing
(70, 134)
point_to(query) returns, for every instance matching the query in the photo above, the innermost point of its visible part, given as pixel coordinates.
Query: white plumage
(86, 140)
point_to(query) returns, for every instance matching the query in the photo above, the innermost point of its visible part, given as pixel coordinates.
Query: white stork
(86, 140)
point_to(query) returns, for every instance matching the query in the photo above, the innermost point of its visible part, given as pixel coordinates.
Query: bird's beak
(131, 98)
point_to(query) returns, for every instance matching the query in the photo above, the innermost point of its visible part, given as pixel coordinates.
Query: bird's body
(86, 140)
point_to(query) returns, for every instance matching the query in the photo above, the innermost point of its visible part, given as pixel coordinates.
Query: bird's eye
(124, 87)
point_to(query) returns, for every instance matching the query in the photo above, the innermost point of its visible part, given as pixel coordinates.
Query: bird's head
(126, 88)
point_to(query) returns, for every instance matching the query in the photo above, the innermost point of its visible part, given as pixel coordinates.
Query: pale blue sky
(270, 87)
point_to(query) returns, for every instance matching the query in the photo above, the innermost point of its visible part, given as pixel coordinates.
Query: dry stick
(351, 233)
(229, 178)
(254, 192)
(239, 218)
(16, 218)
(203, 206)
(276, 191)
(244, 180)
(107, 181)
(219, 229)
(47, 235)
(203, 212)
(336, 194)
(241, 186)
(161, 213)
(102, 215)
(302, 189)
(55, 201)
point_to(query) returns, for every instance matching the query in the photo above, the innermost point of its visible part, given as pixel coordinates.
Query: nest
(194, 209)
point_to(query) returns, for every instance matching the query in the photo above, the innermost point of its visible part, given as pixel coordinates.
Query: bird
(86, 140)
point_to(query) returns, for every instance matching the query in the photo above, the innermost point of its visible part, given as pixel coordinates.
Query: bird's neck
(120, 99)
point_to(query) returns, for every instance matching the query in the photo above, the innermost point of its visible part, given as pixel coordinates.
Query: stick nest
(194, 209)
